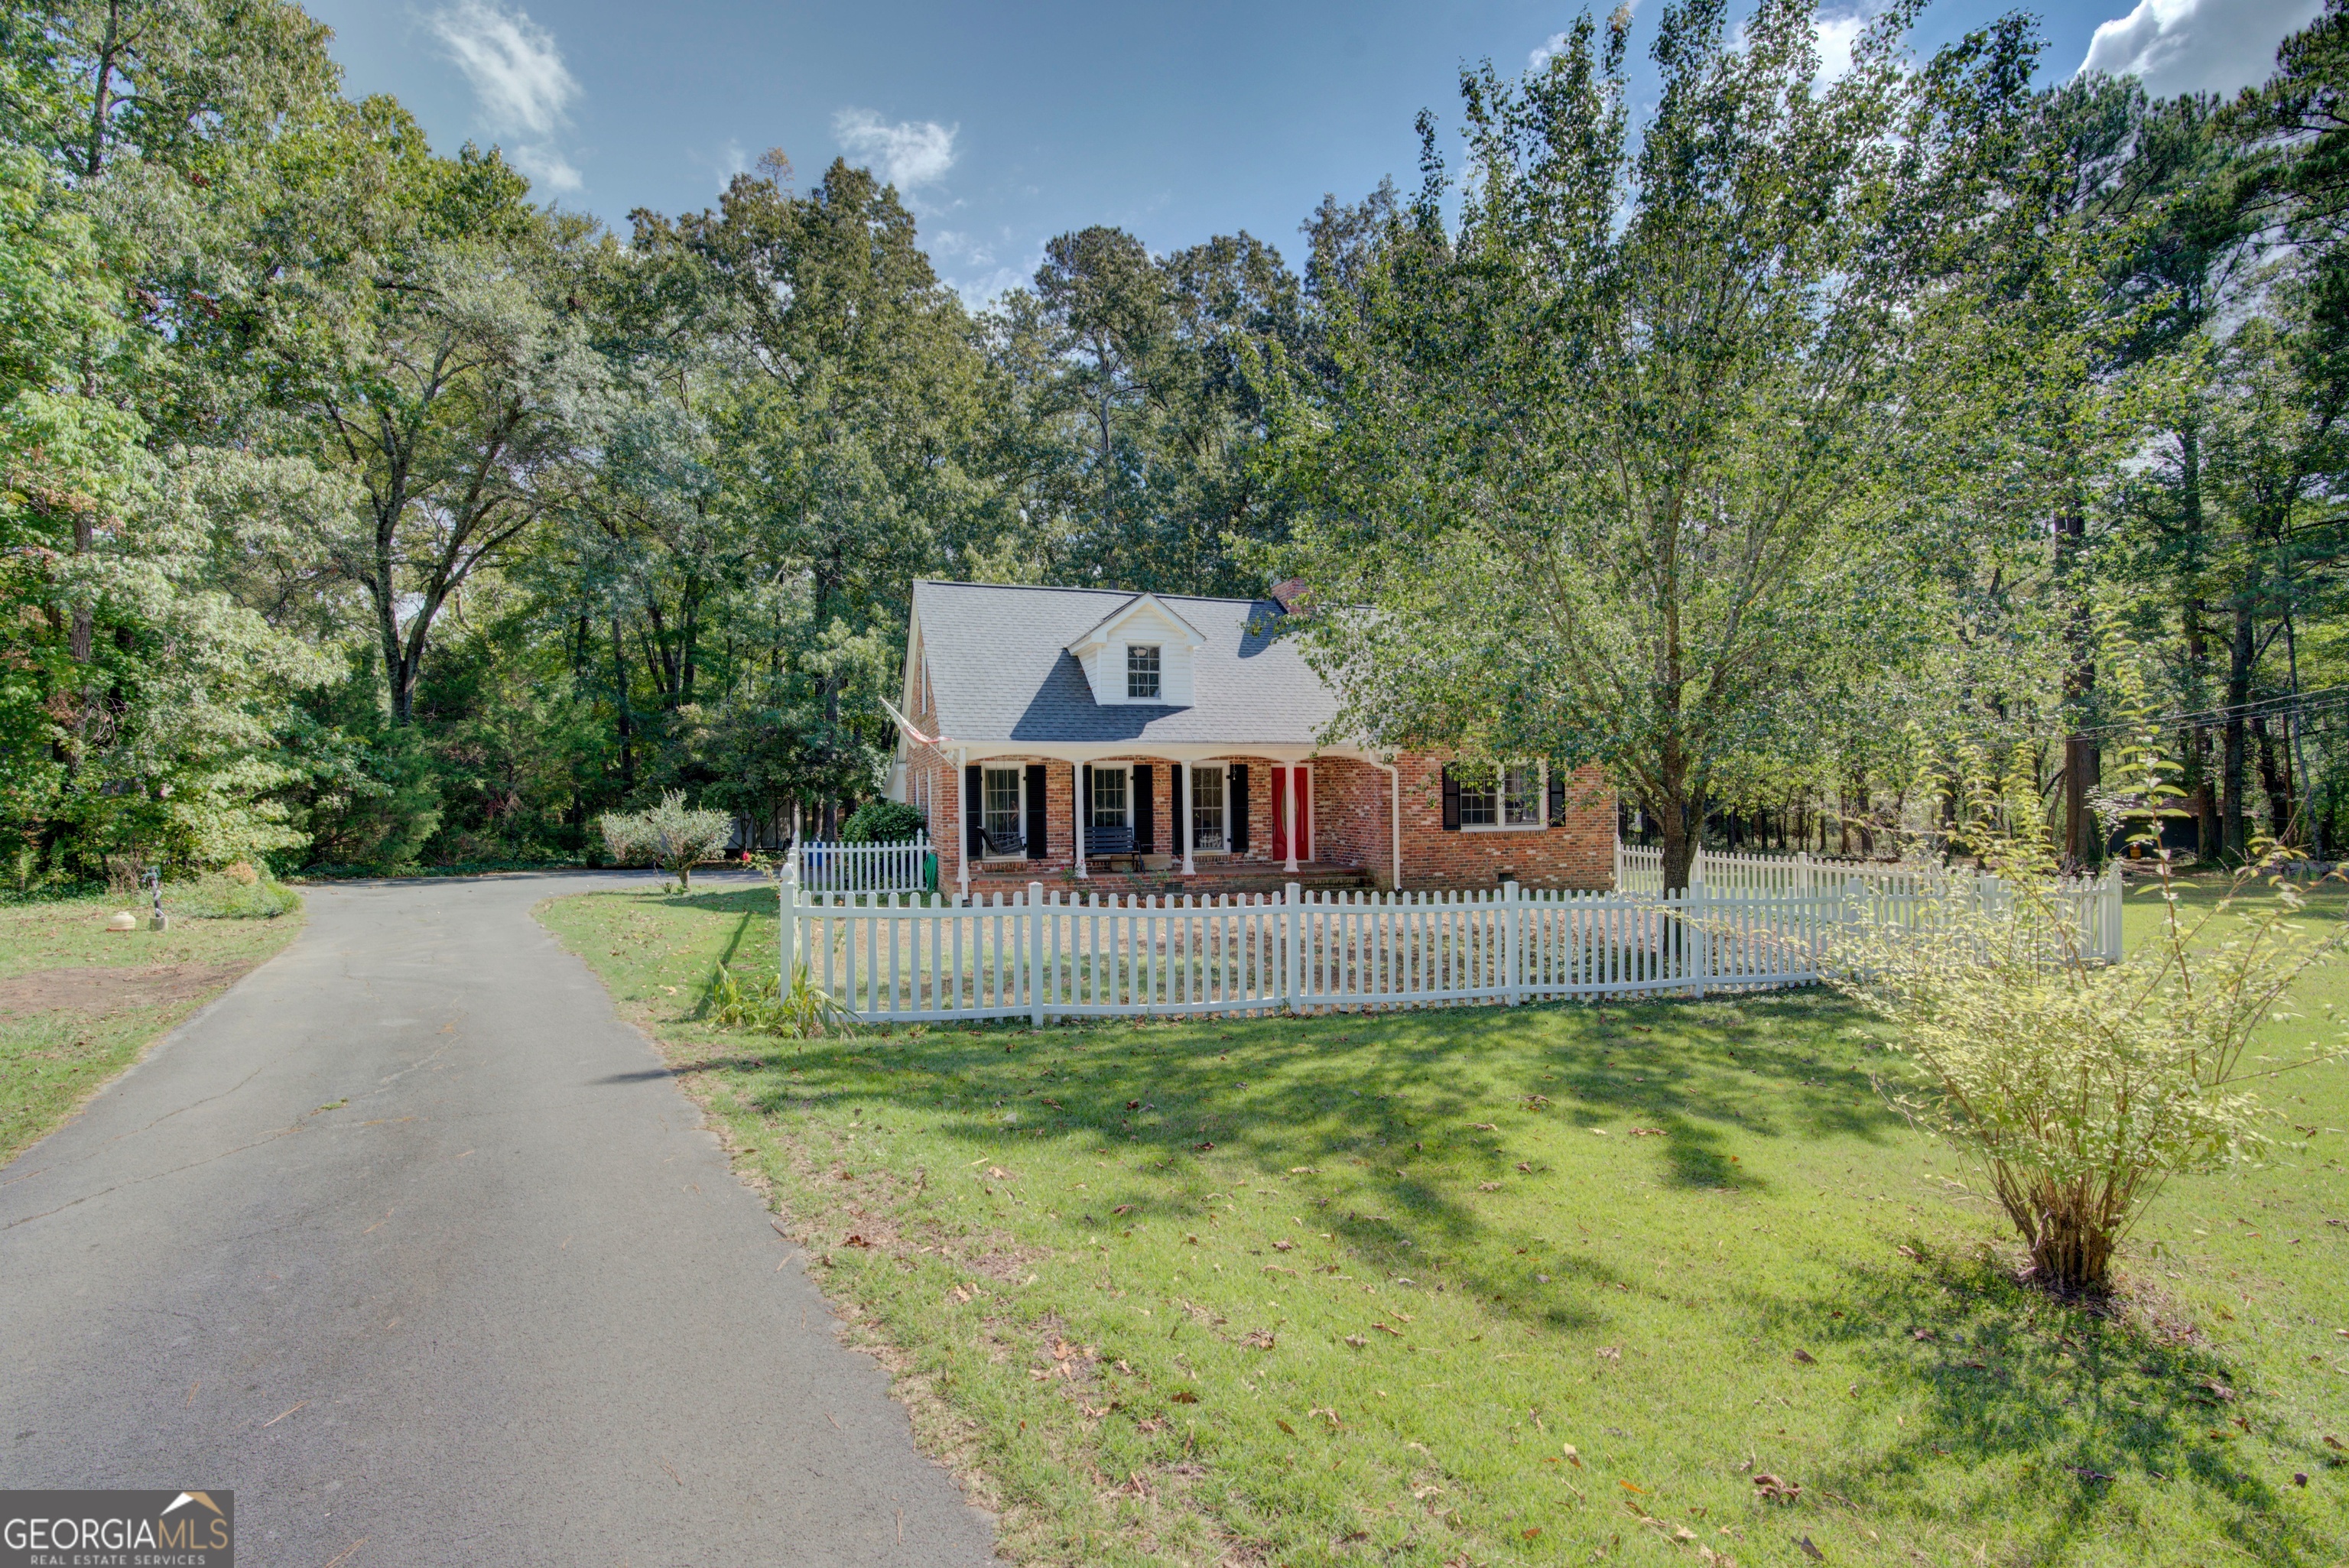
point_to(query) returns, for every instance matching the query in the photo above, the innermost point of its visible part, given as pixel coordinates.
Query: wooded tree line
(1778, 454)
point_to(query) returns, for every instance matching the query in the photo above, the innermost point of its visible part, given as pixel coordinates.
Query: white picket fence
(1642, 869)
(863, 868)
(889, 958)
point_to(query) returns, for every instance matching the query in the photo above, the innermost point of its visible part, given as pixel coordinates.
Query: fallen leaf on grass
(1283, 1426)
(1771, 1488)
(1122, 1209)
(1261, 1340)
(1284, 1246)
(856, 1241)
(1484, 1127)
(1356, 1340)
(1184, 1397)
(1711, 1559)
(1382, 1328)
(1811, 1552)
(1806, 1358)
(1572, 1457)
(1489, 1186)
(1611, 1353)
(1526, 1168)
(1599, 1130)
(1202, 1148)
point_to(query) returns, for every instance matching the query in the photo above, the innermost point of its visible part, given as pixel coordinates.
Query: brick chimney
(1291, 595)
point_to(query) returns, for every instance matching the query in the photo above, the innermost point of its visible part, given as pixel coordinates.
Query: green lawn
(1557, 1284)
(80, 1002)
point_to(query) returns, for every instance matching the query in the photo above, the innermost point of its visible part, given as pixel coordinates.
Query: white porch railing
(894, 957)
(863, 868)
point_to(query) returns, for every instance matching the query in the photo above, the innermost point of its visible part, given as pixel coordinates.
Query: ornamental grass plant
(2081, 1087)
(671, 835)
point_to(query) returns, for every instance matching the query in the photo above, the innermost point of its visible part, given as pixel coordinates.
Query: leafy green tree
(1611, 462)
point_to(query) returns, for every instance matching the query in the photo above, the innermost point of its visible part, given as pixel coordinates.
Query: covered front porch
(1190, 819)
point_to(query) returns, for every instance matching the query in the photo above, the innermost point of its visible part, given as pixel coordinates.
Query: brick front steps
(1206, 883)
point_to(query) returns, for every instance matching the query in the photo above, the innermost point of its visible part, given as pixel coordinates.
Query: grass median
(1668, 1280)
(80, 1002)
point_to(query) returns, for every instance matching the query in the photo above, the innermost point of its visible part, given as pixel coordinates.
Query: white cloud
(519, 81)
(1543, 52)
(2196, 45)
(1837, 37)
(731, 160)
(907, 154)
(546, 166)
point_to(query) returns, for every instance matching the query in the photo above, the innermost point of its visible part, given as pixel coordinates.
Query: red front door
(1280, 787)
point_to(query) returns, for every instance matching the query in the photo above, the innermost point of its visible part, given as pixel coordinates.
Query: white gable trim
(1106, 628)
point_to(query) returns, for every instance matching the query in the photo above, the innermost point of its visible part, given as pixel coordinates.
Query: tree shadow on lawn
(1384, 1112)
(2004, 1376)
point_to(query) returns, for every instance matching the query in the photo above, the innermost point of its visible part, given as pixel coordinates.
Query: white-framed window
(1516, 796)
(1110, 798)
(1000, 803)
(1209, 830)
(1141, 673)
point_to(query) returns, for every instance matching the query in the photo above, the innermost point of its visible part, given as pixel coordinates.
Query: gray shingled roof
(1001, 670)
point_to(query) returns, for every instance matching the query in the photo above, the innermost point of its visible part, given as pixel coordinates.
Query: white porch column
(962, 824)
(1294, 772)
(1180, 807)
(1077, 812)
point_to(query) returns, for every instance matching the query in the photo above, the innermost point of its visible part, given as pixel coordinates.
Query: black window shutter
(1145, 811)
(1085, 800)
(1450, 802)
(974, 809)
(1178, 821)
(1235, 806)
(1557, 796)
(1036, 817)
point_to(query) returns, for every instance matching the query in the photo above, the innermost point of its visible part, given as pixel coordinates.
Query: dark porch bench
(1111, 844)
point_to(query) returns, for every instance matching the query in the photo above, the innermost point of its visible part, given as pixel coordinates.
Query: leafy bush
(805, 1012)
(2080, 1087)
(672, 835)
(239, 893)
(881, 822)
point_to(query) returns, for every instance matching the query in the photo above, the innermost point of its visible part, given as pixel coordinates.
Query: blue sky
(1005, 125)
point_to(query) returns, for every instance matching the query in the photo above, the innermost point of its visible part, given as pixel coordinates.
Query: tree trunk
(2275, 780)
(2195, 778)
(2232, 769)
(101, 96)
(2079, 687)
(624, 719)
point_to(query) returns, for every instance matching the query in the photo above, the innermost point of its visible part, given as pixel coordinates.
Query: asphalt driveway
(411, 1242)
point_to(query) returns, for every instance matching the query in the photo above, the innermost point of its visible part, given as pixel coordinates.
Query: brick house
(1153, 710)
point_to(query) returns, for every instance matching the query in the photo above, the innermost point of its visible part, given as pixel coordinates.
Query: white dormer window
(1141, 652)
(1141, 673)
